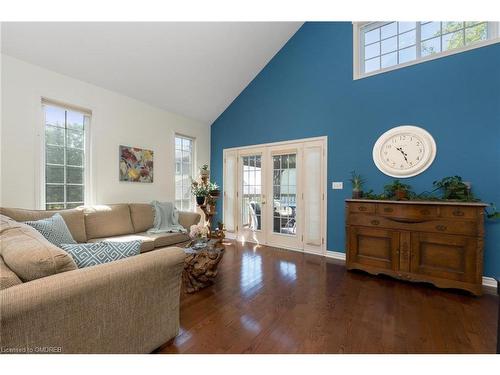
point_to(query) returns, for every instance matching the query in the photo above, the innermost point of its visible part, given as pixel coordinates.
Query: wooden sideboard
(436, 242)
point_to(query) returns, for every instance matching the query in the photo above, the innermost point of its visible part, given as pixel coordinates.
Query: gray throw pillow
(91, 254)
(54, 229)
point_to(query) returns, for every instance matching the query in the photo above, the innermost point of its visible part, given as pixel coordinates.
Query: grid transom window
(65, 156)
(387, 45)
(184, 156)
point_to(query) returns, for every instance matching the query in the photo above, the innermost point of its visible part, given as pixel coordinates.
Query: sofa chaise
(127, 306)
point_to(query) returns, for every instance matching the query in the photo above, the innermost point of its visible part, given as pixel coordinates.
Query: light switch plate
(337, 185)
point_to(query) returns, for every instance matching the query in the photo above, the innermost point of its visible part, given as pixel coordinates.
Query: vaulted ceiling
(195, 69)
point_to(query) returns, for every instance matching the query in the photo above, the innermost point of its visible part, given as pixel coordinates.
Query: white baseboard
(335, 255)
(489, 282)
(230, 235)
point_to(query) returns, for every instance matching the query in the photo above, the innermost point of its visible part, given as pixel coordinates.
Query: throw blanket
(166, 218)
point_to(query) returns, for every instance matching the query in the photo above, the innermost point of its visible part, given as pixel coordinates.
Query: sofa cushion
(92, 254)
(7, 223)
(107, 220)
(7, 277)
(54, 229)
(142, 215)
(73, 219)
(30, 256)
(147, 243)
(168, 239)
(186, 219)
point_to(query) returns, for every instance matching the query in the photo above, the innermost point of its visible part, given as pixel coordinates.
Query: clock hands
(400, 149)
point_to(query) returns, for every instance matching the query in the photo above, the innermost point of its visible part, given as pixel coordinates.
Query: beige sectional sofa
(127, 306)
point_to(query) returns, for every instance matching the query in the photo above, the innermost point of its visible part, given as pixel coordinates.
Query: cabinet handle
(441, 227)
(388, 209)
(362, 208)
(458, 213)
(375, 222)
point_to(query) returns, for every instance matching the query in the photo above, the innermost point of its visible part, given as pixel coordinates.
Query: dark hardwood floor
(268, 300)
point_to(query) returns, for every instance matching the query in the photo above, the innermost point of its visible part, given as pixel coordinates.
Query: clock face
(404, 151)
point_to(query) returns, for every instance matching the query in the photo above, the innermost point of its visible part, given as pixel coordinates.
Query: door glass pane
(252, 192)
(284, 194)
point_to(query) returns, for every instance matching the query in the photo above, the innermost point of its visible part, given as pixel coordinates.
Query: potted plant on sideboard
(357, 185)
(453, 188)
(397, 190)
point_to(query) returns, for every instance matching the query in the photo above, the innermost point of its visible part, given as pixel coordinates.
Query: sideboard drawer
(368, 208)
(407, 211)
(458, 212)
(466, 228)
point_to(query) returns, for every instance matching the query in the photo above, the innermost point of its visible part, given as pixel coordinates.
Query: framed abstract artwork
(136, 164)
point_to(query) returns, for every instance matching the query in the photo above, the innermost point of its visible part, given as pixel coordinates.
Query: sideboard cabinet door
(444, 256)
(374, 247)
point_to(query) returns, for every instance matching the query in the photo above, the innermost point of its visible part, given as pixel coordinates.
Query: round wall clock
(404, 151)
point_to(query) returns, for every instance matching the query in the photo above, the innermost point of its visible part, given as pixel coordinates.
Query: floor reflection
(250, 324)
(251, 273)
(288, 270)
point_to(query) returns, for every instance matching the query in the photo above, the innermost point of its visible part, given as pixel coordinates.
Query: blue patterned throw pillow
(54, 229)
(91, 254)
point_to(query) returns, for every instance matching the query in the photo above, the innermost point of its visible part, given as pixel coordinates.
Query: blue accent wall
(308, 90)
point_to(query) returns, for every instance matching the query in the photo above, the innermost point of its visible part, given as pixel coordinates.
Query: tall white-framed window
(383, 46)
(184, 170)
(65, 170)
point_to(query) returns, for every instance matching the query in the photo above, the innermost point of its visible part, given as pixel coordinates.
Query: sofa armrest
(187, 218)
(127, 306)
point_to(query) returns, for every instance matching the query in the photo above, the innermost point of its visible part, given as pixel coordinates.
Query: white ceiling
(195, 69)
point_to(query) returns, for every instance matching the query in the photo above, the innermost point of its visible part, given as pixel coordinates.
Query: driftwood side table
(200, 266)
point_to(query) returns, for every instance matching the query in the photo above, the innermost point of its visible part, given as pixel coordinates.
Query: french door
(275, 194)
(251, 195)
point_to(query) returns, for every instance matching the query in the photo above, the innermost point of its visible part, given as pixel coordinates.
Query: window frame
(192, 207)
(358, 51)
(87, 186)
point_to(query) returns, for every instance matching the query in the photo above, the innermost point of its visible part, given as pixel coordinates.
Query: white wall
(116, 119)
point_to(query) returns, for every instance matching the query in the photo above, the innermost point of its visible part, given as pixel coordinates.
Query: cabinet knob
(362, 208)
(458, 213)
(441, 227)
(375, 222)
